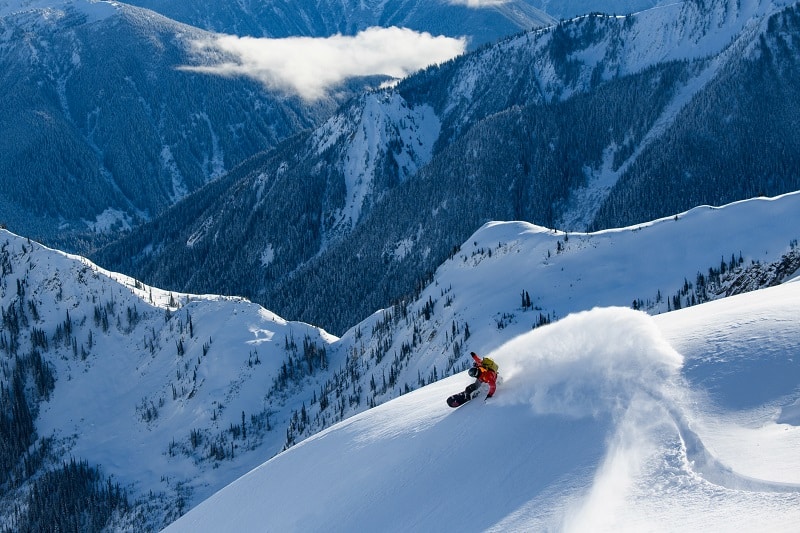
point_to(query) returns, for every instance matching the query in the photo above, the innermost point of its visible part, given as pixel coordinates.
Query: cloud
(310, 66)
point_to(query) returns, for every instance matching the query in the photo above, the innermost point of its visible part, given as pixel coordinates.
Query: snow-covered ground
(608, 417)
(140, 370)
(608, 420)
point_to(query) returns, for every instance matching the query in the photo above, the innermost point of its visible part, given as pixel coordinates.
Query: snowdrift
(608, 420)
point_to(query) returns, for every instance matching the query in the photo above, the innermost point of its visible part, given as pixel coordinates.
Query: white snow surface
(597, 426)
(607, 420)
(124, 390)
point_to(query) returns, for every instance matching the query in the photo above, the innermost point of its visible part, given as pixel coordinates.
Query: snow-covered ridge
(619, 45)
(565, 272)
(684, 30)
(56, 260)
(140, 370)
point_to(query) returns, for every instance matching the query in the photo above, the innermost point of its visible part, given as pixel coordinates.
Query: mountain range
(108, 117)
(141, 403)
(102, 131)
(295, 268)
(597, 122)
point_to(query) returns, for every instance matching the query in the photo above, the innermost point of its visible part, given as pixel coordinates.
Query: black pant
(472, 388)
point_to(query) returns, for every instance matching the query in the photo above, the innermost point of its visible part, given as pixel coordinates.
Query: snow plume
(310, 67)
(612, 364)
(588, 364)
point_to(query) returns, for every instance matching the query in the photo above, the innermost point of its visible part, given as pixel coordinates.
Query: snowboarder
(484, 371)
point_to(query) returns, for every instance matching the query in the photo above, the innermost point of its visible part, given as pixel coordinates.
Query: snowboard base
(459, 399)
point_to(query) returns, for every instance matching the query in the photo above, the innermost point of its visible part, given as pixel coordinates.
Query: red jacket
(485, 375)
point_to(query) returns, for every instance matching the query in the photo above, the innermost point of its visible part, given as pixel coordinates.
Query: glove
(488, 396)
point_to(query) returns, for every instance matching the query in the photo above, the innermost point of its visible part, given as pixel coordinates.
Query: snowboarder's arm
(492, 387)
(477, 359)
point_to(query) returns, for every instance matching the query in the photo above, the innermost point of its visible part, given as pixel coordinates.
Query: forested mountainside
(101, 130)
(563, 127)
(480, 22)
(739, 138)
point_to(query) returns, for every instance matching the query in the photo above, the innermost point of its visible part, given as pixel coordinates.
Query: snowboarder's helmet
(474, 372)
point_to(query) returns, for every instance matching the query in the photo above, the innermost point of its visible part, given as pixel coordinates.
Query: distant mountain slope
(321, 18)
(736, 138)
(594, 123)
(100, 128)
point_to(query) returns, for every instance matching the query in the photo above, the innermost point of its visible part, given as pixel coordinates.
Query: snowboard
(460, 399)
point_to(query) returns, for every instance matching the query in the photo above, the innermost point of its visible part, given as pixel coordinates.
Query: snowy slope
(606, 418)
(158, 388)
(383, 120)
(603, 423)
(617, 45)
(652, 264)
(140, 371)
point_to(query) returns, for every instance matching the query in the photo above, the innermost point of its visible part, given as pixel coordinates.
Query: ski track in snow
(651, 418)
(589, 370)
